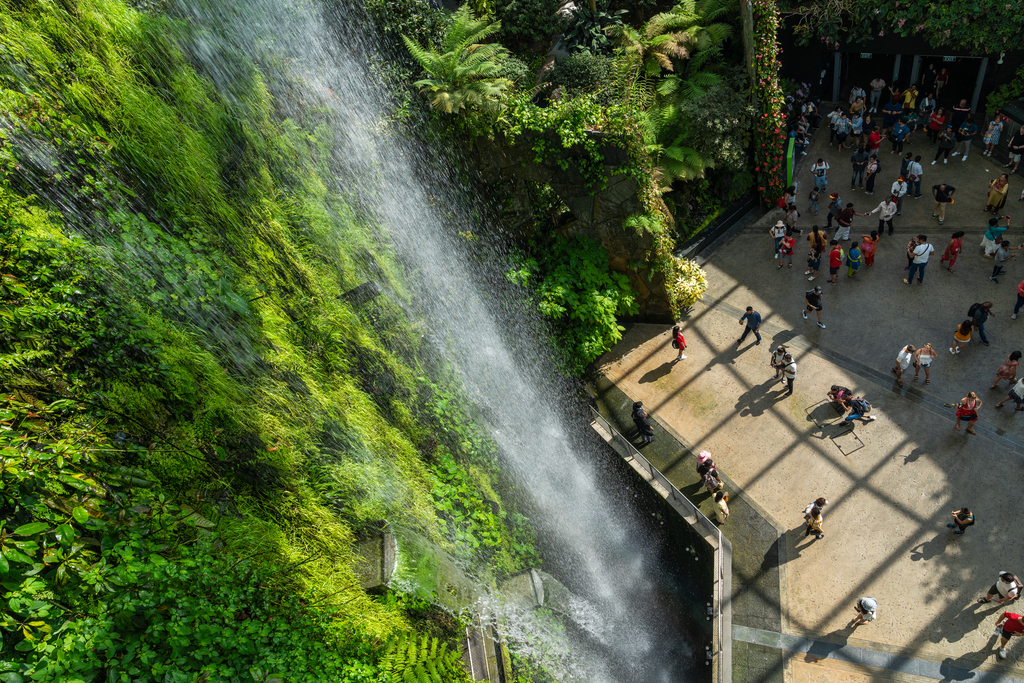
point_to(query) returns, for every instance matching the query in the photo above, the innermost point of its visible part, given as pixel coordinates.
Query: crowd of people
(862, 125)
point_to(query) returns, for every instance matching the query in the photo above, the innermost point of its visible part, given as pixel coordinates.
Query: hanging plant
(769, 132)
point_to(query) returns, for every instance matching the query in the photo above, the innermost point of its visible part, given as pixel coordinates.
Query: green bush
(583, 72)
(574, 286)
(419, 18)
(718, 126)
(516, 71)
(588, 30)
(527, 21)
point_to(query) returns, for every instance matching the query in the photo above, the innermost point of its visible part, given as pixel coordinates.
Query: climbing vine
(769, 133)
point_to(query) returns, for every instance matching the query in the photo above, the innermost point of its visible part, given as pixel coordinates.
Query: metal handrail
(687, 505)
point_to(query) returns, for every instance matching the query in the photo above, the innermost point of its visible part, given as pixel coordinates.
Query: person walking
(819, 171)
(928, 77)
(787, 249)
(643, 424)
(854, 260)
(752, 319)
(866, 609)
(903, 360)
(962, 519)
(845, 221)
(941, 81)
(789, 371)
(967, 410)
(791, 215)
(898, 192)
(812, 200)
(877, 86)
(1015, 147)
(953, 249)
(911, 245)
(859, 160)
(1017, 394)
(679, 342)
(980, 313)
(819, 503)
(1008, 625)
(923, 359)
(1008, 370)
(1005, 589)
(778, 231)
(887, 209)
(814, 522)
(812, 298)
(721, 506)
(992, 134)
(943, 195)
(961, 336)
(907, 158)
(965, 134)
(859, 408)
(833, 119)
(813, 261)
(868, 245)
(835, 261)
(873, 170)
(936, 124)
(1003, 254)
(920, 255)
(946, 145)
(1020, 300)
(899, 135)
(835, 207)
(914, 173)
(997, 191)
(993, 236)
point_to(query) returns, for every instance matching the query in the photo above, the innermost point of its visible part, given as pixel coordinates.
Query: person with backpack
(643, 425)
(712, 481)
(1005, 589)
(962, 519)
(819, 171)
(814, 522)
(1007, 626)
(777, 360)
(859, 408)
(979, 314)
(678, 342)
(777, 231)
(967, 409)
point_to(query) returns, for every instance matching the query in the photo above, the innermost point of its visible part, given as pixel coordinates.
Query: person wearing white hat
(778, 231)
(866, 609)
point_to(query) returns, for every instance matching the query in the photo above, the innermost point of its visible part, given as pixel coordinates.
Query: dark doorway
(963, 77)
(860, 71)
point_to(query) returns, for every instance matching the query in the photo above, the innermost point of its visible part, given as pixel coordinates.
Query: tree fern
(423, 660)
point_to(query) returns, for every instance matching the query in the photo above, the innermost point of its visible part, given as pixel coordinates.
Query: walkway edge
(722, 627)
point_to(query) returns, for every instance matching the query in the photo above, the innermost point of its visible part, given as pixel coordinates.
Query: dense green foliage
(983, 26)
(526, 21)
(197, 422)
(575, 288)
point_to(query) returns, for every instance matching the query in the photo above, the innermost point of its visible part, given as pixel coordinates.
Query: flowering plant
(769, 133)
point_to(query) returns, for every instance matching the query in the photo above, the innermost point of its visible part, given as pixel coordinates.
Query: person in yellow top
(814, 522)
(909, 99)
(961, 336)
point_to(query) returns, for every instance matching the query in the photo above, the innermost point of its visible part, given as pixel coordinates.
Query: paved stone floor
(892, 483)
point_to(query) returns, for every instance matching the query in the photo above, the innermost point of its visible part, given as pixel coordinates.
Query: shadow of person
(929, 550)
(822, 413)
(657, 373)
(957, 622)
(826, 646)
(962, 668)
(759, 398)
(913, 455)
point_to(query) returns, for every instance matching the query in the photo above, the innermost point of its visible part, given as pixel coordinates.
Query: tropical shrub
(718, 124)
(463, 72)
(527, 21)
(573, 285)
(584, 72)
(688, 284)
(420, 18)
(588, 30)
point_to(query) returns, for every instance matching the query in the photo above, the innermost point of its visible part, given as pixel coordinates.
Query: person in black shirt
(643, 425)
(1016, 148)
(943, 194)
(813, 300)
(960, 112)
(928, 79)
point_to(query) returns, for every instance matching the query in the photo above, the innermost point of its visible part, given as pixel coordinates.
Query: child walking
(813, 200)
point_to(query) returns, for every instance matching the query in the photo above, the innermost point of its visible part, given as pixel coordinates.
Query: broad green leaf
(65, 534)
(80, 515)
(32, 528)
(15, 555)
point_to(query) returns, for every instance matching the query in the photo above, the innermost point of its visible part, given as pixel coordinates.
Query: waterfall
(502, 365)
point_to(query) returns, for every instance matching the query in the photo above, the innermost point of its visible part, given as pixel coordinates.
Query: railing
(705, 526)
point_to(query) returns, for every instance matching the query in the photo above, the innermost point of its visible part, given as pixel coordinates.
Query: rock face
(596, 213)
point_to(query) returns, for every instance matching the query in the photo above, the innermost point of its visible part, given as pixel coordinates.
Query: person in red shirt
(1011, 626)
(875, 140)
(835, 261)
(786, 249)
(1020, 300)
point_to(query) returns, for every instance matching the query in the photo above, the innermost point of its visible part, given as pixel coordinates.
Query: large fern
(464, 73)
(425, 660)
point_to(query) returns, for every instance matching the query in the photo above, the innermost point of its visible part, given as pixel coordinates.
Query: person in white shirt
(914, 172)
(888, 207)
(1007, 587)
(899, 191)
(820, 172)
(920, 254)
(856, 92)
(877, 86)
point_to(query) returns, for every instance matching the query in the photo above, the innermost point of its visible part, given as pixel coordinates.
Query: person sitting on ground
(859, 408)
(962, 519)
(841, 396)
(1007, 588)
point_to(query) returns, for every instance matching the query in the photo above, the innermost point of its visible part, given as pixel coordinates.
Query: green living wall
(196, 422)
